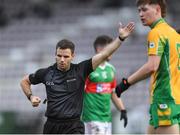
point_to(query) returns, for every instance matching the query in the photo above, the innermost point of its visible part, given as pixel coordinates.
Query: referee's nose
(62, 59)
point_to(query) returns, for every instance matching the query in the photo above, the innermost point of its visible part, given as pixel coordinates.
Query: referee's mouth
(62, 65)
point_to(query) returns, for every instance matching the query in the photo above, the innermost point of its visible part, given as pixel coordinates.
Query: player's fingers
(125, 122)
(121, 117)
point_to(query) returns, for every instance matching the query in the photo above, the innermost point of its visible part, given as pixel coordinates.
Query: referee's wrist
(121, 39)
(29, 96)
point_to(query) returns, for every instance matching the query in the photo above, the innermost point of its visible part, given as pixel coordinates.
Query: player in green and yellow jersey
(99, 90)
(163, 66)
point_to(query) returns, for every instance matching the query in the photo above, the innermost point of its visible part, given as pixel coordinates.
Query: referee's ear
(73, 55)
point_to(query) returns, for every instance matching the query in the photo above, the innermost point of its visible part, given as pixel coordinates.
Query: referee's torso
(64, 89)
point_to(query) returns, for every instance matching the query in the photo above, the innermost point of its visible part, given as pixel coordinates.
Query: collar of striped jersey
(161, 20)
(103, 66)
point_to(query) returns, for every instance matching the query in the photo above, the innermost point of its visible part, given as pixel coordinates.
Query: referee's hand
(35, 101)
(125, 31)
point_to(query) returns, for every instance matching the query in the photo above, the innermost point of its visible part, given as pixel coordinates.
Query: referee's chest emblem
(49, 83)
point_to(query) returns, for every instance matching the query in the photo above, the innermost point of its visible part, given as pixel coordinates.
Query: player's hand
(124, 117)
(124, 32)
(122, 86)
(35, 101)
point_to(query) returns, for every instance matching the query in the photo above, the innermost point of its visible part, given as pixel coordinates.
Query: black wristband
(29, 96)
(125, 81)
(124, 111)
(122, 39)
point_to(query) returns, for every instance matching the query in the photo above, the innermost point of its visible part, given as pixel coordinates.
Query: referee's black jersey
(64, 89)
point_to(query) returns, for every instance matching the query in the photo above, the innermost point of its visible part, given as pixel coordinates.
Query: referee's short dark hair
(65, 44)
(102, 41)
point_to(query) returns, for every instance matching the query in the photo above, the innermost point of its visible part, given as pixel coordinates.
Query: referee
(64, 82)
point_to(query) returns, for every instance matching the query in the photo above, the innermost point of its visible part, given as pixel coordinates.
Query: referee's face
(63, 59)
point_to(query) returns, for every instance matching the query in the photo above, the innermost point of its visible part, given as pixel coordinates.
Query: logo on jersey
(99, 88)
(151, 45)
(103, 88)
(48, 83)
(163, 106)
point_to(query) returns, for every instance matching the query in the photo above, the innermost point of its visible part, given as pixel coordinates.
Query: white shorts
(95, 127)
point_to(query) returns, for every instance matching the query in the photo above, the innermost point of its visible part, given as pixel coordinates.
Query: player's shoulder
(154, 31)
(110, 65)
(161, 28)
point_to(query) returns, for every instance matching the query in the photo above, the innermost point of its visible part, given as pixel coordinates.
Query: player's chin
(144, 23)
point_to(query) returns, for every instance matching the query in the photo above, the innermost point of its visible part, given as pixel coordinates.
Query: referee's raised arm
(124, 32)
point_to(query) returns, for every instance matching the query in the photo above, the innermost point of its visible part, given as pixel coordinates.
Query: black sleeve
(38, 76)
(86, 67)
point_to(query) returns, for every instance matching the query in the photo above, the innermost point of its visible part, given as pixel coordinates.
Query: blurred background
(29, 31)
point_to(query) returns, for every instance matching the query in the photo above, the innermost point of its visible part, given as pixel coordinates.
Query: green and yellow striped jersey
(164, 41)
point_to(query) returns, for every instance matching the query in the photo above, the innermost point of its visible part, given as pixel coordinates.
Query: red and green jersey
(164, 41)
(97, 97)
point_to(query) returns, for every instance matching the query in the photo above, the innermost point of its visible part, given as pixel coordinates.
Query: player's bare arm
(146, 70)
(117, 102)
(120, 106)
(26, 87)
(124, 32)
